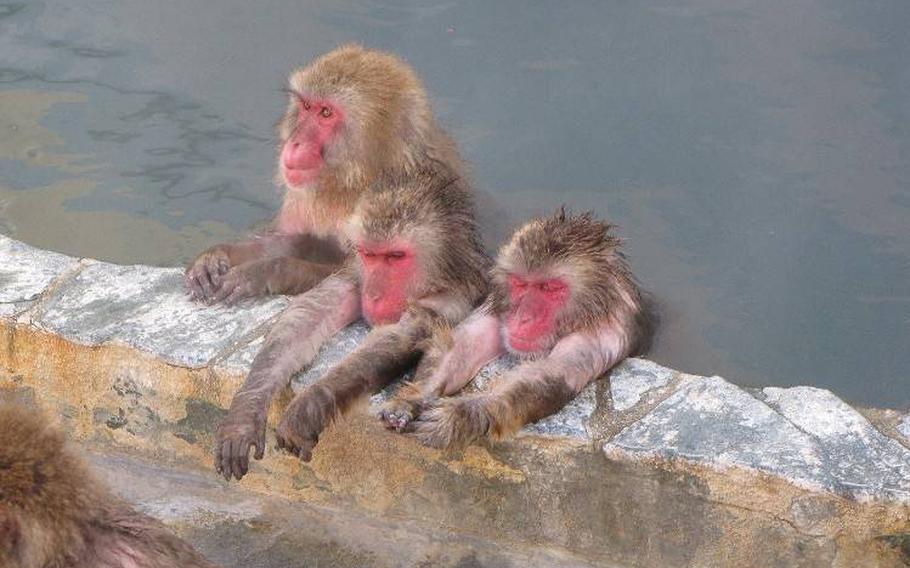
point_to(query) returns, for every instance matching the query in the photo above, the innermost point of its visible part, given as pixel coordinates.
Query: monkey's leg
(525, 394)
(282, 275)
(386, 353)
(291, 344)
(475, 343)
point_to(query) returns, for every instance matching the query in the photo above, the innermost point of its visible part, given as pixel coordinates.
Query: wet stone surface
(859, 459)
(25, 272)
(571, 421)
(803, 434)
(333, 352)
(633, 378)
(904, 427)
(145, 307)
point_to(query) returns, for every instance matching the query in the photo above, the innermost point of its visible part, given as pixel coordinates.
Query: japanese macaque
(563, 301)
(353, 115)
(418, 265)
(55, 514)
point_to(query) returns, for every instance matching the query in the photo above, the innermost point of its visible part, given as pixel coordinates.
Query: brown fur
(606, 319)
(434, 213)
(389, 129)
(582, 249)
(55, 514)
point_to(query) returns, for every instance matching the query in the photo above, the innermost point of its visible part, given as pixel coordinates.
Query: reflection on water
(754, 154)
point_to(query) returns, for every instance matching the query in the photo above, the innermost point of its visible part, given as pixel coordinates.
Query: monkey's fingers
(200, 281)
(240, 461)
(217, 457)
(396, 419)
(223, 458)
(260, 445)
(194, 287)
(232, 290)
(296, 445)
(450, 424)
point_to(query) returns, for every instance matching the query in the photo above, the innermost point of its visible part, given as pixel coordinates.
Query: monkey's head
(352, 112)
(415, 235)
(558, 275)
(44, 497)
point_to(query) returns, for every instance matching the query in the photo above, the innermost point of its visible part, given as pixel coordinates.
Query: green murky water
(755, 154)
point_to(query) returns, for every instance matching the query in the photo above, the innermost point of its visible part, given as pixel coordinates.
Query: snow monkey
(55, 513)
(353, 114)
(419, 265)
(563, 301)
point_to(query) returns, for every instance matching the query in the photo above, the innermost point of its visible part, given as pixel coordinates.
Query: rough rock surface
(237, 528)
(775, 477)
(857, 458)
(803, 434)
(25, 272)
(904, 426)
(146, 307)
(630, 381)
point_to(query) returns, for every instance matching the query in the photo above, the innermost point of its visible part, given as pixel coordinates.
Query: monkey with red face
(419, 266)
(353, 115)
(564, 301)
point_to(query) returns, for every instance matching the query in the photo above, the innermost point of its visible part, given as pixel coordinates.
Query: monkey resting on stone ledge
(563, 301)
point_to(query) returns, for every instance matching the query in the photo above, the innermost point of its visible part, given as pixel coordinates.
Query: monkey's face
(530, 325)
(389, 274)
(310, 128)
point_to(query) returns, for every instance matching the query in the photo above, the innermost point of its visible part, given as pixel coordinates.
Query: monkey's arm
(282, 275)
(291, 344)
(527, 393)
(474, 343)
(268, 253)
(383, 356)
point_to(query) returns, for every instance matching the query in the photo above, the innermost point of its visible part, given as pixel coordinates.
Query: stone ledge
(619, 475)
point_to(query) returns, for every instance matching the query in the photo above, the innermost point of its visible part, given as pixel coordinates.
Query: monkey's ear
(10, 531)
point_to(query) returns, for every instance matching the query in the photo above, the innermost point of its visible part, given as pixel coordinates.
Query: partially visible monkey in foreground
(353, 115)
(55, 514)
(564, 300)
(419, 266)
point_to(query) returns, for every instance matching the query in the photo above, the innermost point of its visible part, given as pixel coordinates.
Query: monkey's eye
(305, 104)
(326, 112)
(517, 283)
(364, 253)
(551, 286)
(395, 255)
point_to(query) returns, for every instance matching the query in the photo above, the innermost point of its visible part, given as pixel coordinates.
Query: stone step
(241, 529)
(648, 467)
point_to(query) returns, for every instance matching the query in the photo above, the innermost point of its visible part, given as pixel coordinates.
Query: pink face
(303, 154)
(535, 303)
(389, 274)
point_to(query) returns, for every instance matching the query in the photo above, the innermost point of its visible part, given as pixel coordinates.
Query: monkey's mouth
(300, 177)
(523, 345)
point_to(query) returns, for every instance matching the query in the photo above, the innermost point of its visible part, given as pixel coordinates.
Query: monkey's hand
(256, 278)
(453, 423)
(398, 414)
(203, 276)
(302, 423)
(243, 427)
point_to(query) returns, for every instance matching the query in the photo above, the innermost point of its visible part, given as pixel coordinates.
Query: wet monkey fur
(353, 114)
(564, 301)
(55, 514)
(419, 265)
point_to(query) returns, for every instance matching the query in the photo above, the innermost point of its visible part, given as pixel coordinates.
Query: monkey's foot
(296, 437)
(240, 432)
(398, 414)
(453, 422)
